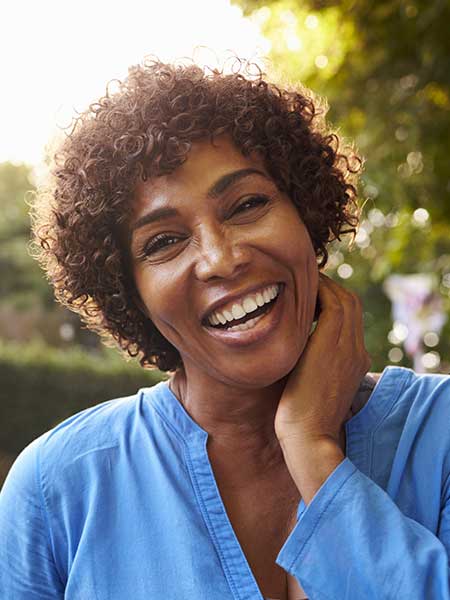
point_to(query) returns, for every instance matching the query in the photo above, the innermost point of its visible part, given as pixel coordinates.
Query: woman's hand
(320, 389)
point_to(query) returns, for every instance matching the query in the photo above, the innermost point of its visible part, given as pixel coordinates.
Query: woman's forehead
(206, 165)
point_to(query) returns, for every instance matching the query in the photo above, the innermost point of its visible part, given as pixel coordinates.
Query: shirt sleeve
(27, 566)
(352, 541)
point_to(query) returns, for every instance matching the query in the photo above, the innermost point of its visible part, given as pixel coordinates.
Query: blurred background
(382, 65)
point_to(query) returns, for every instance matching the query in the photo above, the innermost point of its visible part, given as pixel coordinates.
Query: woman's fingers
(344, 309)
(331, 315)
(321, 387)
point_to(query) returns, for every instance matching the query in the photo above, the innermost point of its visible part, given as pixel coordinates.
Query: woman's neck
(240, 422)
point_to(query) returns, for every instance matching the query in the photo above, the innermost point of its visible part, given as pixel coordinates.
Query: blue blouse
(120, 502)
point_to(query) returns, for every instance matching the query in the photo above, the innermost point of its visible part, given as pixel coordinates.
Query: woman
(188, 220)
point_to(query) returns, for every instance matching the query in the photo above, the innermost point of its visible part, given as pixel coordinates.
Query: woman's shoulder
(400, 390)
(93, 427)
(400, 386)
(404, 419)
(83, 437)
(95, 449)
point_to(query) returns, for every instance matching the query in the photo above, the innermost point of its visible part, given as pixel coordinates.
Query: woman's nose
(220, 255)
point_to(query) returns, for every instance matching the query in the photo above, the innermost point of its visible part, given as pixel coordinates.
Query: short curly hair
(145, 128)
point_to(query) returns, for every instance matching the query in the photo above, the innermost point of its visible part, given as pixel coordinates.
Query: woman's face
(213, 241)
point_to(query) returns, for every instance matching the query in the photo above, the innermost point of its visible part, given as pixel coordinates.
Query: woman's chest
(176, 535)
(262, 518)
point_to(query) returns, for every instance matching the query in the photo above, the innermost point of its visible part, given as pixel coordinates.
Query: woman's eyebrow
(216, 190)
(155, 215)
(224, 182)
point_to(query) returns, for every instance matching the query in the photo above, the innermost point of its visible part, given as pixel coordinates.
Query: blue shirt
(120, 502)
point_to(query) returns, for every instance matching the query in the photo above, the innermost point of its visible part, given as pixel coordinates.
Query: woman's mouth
(251, 326)
(243, 310)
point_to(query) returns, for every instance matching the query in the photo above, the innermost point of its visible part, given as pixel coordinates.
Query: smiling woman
(145, 131)
(187, 220)
(222, 212)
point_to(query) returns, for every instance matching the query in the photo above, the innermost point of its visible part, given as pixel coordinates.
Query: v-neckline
(234, 562)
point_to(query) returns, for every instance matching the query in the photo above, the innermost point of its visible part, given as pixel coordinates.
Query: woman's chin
(263, 375)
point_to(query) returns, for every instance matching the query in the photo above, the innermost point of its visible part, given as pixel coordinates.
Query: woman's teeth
(247, 325)
(247, 305)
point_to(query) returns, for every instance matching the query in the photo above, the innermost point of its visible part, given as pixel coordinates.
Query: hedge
(40, 387)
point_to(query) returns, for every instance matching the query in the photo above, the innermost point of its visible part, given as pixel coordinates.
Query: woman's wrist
(310, 462)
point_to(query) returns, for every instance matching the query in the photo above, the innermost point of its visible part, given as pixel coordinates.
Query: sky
(56, 56)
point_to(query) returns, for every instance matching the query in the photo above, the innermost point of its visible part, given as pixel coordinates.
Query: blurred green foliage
(42, 386)
(27, 305)
(384, 68)
(22, 283)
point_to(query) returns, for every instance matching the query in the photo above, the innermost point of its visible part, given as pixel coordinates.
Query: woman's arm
(27, 567)
(353, 542)
(311, 463)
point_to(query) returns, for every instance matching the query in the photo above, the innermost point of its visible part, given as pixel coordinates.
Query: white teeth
(221, 318)
(239, 309)
(259, 299)
(247, 325)
(228, 315)
(249, 305)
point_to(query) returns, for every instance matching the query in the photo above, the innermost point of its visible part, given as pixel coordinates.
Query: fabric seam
(205, 515)
(406, 377)
(44, 511)
(168, 424)
(203, 509)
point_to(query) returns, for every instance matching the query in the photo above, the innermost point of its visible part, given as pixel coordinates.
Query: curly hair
(145, 128)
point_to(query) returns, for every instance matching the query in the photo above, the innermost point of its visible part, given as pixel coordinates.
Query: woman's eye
(159, 242)
(251, 202)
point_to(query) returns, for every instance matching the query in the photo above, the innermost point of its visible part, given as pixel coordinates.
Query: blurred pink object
(418, 307)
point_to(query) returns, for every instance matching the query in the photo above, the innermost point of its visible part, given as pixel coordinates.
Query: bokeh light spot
(345, 271)
(321, 61)
(395, 355)
(421, 216)
(398, 333)
(431, 339)
(293, 42)
(376, 217)
(431, 360)
(312, 22)
(401, 134)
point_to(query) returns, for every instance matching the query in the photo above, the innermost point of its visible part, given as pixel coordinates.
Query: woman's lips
(264, 327)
